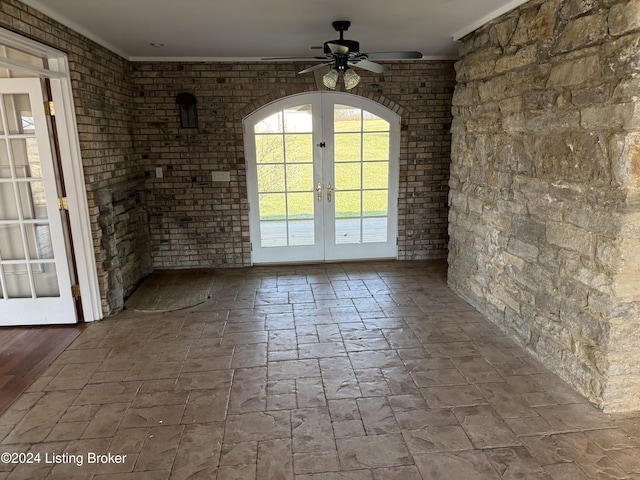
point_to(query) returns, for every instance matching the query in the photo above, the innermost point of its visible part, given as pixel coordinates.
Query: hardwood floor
(26, 352)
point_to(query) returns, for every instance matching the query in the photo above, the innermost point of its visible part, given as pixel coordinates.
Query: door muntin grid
(361, 173)
(285, 177)
(27, 264)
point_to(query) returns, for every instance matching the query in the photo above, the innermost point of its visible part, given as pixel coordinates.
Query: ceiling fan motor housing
(342, 26)
(352, 45)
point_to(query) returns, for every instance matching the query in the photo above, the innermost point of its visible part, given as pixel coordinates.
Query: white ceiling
(253, 29)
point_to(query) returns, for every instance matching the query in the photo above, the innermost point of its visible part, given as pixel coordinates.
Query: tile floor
(366, 371)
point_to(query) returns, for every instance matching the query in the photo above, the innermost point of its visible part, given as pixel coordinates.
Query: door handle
(329, 192)
(319, 190)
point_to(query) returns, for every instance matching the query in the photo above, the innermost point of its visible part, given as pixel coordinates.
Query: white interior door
(35, 286)
(322, 179)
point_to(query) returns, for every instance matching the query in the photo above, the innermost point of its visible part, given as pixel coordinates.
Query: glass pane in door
(17, 280)
(284, 162)
(5, 168)
(11, 246)
(39, 243)
(361, 172)
(45, 280)
(21, 57)
(19, 118)
(26, 158)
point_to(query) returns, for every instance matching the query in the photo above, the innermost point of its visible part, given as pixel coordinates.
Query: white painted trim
(76, 194)
(35, 71)
(71, 160)
(487, 18)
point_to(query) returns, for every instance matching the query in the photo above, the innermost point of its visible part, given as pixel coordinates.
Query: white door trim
(72, 168)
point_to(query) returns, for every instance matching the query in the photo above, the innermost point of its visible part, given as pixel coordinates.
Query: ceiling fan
(342, 54)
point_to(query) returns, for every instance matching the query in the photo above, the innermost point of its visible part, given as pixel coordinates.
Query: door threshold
(325, 262)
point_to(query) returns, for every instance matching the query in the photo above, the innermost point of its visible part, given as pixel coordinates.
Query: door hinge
(75, 291)
(251, 245)
(63, 203)
(48, 109)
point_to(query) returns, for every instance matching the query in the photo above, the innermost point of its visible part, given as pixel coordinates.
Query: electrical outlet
(159, 172)
(220, 176)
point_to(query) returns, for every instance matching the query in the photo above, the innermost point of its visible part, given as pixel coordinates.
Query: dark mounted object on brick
(188, 112)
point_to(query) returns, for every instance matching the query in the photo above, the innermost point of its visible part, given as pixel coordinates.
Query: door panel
(34, 275)
(322, 179)
(282, 175)
(363, 216)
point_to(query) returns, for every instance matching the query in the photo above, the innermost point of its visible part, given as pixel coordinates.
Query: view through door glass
(284, 157)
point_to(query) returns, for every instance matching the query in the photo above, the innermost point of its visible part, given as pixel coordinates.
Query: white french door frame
(313, 252)
(386, 250)
(70, 160)
(324, 248)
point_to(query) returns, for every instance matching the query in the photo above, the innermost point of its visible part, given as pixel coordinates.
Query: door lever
(329, 192)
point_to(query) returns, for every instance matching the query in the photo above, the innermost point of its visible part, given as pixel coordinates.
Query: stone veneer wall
(113, 175)
(545, 182)
(195, 222)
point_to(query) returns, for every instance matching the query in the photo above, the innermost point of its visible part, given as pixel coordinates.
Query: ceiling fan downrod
(341, 26)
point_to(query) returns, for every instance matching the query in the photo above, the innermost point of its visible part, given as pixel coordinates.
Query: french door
(322, 179)
(35, 285)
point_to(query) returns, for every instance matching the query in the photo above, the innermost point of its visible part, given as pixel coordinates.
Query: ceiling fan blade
(392, 55)
(294, 58)
(371, 66)
(338, 49)
(315, 67)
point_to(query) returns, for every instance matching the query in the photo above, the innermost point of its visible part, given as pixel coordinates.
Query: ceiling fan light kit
(341, 56)
(351, 79)
(330, 80)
